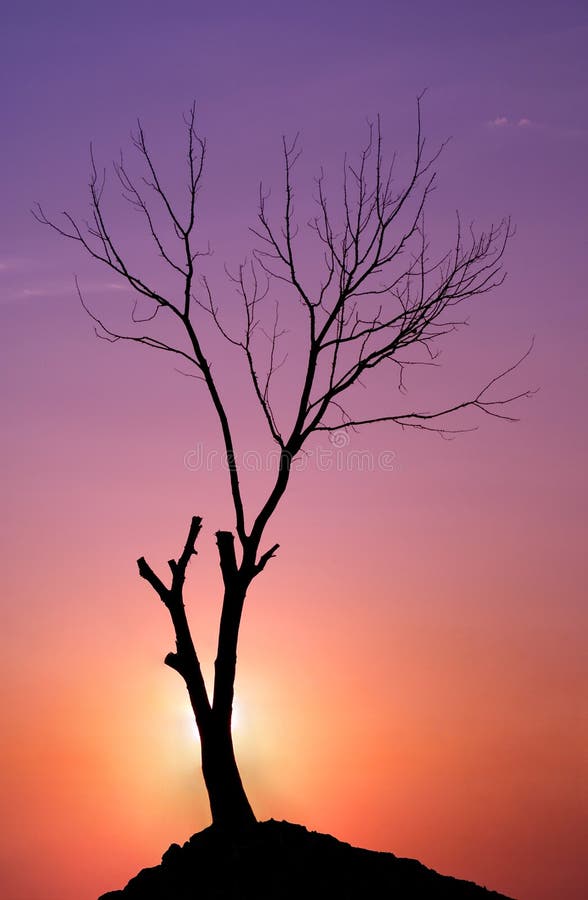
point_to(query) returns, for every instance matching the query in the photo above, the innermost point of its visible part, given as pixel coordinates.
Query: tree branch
(185, 659)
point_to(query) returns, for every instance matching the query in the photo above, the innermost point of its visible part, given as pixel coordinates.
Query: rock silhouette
(281, 861)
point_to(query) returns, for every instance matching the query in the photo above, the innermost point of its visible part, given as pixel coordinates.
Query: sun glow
(237, 721)
(237, 718)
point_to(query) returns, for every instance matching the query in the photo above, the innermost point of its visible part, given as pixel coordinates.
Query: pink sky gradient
(412, 671)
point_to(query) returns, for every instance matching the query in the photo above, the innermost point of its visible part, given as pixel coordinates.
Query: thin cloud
(38, 292)
(59, 289)
(13, 263)
(505, 122)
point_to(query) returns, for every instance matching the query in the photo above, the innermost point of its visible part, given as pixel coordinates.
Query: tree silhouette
(381, 298)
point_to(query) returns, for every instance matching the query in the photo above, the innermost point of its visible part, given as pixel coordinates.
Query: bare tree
(381, 298)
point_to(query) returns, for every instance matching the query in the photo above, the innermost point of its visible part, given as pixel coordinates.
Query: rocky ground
(281, 861)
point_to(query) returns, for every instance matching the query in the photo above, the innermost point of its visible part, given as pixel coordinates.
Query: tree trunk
(229, 805)
(228, 802)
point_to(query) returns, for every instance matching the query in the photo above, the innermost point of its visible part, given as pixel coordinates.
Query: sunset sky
(412, 672)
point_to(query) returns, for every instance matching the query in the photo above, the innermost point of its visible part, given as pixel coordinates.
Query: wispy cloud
(50, 289)
(37, 292)
(505, 122)
(13, 263)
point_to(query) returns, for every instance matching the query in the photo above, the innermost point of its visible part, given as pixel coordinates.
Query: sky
(412, 671)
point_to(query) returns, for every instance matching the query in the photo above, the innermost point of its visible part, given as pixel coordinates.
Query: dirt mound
(280, 861)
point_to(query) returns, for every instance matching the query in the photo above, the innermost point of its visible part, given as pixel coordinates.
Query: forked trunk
(230, 808)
